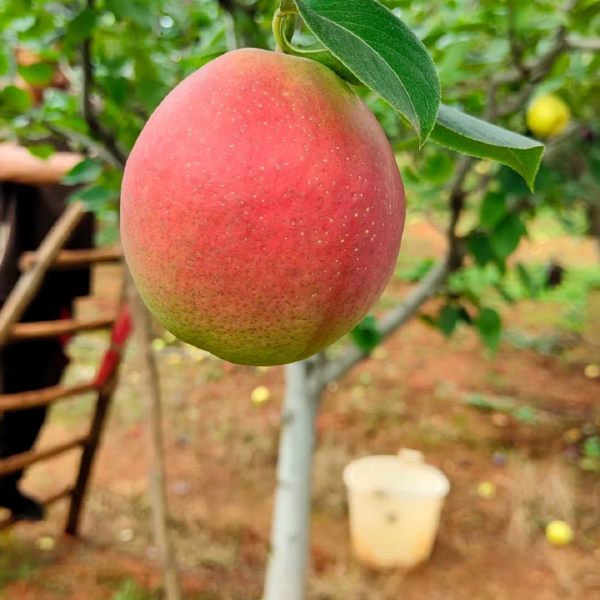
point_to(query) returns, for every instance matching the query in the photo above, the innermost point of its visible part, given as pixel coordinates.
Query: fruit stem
(288, 7)
(284, 23)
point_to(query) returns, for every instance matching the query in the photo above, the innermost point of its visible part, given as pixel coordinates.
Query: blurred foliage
(366, 334)
(137, 50)
(523, 413)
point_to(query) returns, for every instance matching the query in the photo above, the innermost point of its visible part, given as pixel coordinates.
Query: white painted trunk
(288, 562)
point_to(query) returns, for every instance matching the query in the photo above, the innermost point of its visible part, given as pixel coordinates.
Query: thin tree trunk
(151, 390)
(290, 536)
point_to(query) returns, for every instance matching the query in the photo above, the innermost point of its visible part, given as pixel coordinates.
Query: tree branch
(590, 45)
(532, 74)
(74, 138)
(571, 43)
(105, 136)
(393, 320)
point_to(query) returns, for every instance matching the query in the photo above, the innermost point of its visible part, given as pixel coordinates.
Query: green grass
(574, 295)
(16, 561)
(130, 590)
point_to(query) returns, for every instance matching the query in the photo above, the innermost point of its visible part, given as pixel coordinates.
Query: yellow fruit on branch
(548, 116)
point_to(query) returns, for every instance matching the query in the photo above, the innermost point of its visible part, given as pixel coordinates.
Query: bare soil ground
(413, 392)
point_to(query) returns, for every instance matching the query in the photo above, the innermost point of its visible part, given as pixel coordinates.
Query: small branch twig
(77, 139)
(516, 47)
(105, 136)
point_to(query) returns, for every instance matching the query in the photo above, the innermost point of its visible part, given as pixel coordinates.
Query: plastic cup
(395, 504)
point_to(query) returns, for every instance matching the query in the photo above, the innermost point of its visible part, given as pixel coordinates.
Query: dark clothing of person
(27, 214)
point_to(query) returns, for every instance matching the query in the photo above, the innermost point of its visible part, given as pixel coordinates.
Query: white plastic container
(395, 504)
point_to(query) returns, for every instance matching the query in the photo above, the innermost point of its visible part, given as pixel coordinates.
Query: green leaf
(464, 316)
(411, 143)
(428, 320)
(416, 272)
(450, 67)
(478, 244)
(85, 172)
(492, 209)
(14, 99)
(478, 138)
(42, 150)
(506, 237)
(490, 403)
(382, 52)
(591, 447)
(366, 334)
(482, 403)
(448, 319)
(37, 74)
(117, 88)
(527, 281)
(410, 176)
(437, 169)
(95, 197)
(82, 26)
(132, 10)
(513, 185)
(151, 94)
(590, 464)
(505, 294)
(595, 169)
(4, 63)
(489, 326)
(526, 414)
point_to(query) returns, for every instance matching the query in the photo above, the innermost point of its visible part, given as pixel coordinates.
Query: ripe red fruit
(262, 209)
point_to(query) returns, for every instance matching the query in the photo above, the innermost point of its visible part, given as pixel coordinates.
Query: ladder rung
(20, 461)
(73, 259)
(42, 397)
(46, 502)
(29, 283)
(68, 491)
(45, 329)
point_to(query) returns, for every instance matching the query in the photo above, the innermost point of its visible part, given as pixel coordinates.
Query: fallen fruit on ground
(262, 209)
(486, 490)
(548, 116)
(260, 395)
(559, 533)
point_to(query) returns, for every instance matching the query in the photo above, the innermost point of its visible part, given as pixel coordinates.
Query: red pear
(262, 209)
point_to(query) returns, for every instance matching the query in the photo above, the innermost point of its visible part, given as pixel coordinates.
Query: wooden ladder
(34, 265)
